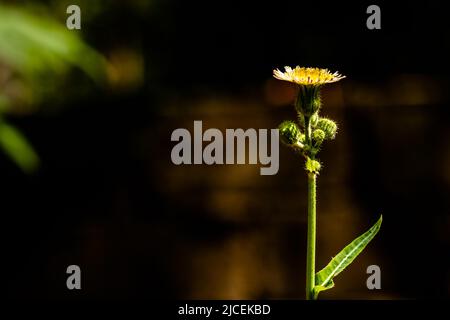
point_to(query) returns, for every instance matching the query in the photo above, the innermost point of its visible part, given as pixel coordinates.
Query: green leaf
(324, 278)
(16, 146)
(35, 43)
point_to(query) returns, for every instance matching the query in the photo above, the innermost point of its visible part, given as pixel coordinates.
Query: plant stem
(308, 130)
(311, 238)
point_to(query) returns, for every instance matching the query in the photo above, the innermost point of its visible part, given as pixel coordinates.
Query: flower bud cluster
(311, 131)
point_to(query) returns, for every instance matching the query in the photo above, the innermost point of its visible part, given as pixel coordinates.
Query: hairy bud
(314, 119)
(290, 133)
(328, 126)
(318, 136)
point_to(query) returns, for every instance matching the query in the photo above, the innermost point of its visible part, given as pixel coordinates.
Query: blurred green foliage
(37, 53)
(16, 146)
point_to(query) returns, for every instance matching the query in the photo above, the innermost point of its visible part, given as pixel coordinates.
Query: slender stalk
(311, 228)
(311, 238)
(308, 130)
(316, 130)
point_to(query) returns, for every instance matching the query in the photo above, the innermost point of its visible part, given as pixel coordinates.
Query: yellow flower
(307, 76)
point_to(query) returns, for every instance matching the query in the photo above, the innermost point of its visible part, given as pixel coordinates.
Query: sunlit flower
(307, 76)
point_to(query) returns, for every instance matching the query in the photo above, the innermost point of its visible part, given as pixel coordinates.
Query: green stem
(311, 238)
(308, 131)
(311, 228)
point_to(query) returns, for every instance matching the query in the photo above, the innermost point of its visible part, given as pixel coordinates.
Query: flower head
(307, 76)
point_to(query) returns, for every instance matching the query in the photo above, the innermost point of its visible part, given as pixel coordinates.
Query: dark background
(108, 198)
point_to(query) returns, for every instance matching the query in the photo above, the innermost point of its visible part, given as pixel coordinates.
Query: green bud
(328, 126)
(290, 133)
(302, 138)
(314, 119)
(318, 136)
(312, 166)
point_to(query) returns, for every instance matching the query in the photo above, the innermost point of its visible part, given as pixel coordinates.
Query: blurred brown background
(104, 194)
